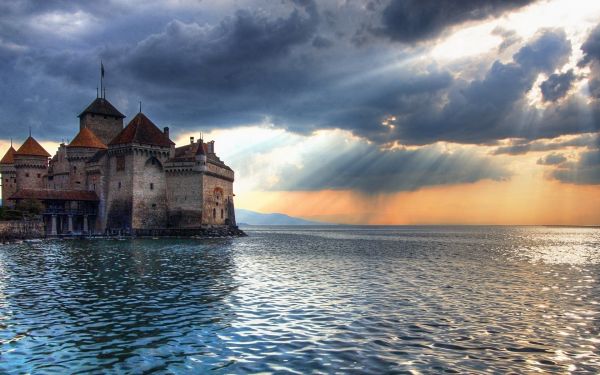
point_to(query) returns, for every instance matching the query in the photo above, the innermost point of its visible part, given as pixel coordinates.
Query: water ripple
(321, 300)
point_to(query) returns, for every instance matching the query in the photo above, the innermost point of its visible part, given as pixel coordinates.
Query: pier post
(53, 225)
(85, 223)
(70, 227)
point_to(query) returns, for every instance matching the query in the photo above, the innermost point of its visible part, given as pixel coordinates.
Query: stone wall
(77, 156)
(216, 193)
(96, 181)
(104, 127)
(149, 191)
(13, 230)
(184, 194)
(30, 170)
(9, 184)
(119, 187)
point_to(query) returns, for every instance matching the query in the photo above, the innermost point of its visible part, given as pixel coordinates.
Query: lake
(332, 299)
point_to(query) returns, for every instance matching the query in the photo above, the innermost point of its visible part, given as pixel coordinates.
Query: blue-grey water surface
(306, 300)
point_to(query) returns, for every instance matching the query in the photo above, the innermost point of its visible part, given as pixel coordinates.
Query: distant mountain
(256, 218)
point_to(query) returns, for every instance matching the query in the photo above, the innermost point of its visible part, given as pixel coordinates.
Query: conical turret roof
(31, 147)
(9, 157)
(87, 139)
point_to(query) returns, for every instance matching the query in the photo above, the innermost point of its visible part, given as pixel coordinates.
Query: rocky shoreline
(19, 231)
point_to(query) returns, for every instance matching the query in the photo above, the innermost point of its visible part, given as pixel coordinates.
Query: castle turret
(103, 119)
(82, 148)
(200, 157)
(8, 176)
(31, 164)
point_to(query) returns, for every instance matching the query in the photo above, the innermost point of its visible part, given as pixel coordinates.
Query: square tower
(103, 119)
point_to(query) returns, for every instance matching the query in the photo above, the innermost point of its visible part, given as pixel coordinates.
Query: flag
(102, 69)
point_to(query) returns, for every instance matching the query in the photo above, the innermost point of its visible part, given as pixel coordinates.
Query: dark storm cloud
(368, 169)
(303, 91)
(219, 58)
(523, 146)
(552, 159)
(492, 108)
(591, 57)
(557, 85)
(290, 66)
(586, 171)
(411, 21)
(591, 47)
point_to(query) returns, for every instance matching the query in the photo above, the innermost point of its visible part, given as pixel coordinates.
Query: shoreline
(18, 232)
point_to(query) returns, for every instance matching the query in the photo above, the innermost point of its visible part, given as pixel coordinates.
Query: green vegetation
(28, 208)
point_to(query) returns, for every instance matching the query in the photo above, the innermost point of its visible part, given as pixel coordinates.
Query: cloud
(552, 159)
(591, 57)
(523, 146)
(361, 166)
(586, 171)
(413, 21)
(557, 86)
(291, 64)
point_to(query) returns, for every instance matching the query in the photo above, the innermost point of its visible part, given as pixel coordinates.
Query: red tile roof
(9, 156)
(143, 131)
(59, 195)
(87, 139)
(31, 147)
(101, 106)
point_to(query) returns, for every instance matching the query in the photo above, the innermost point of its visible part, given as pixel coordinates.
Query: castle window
(221, 213)
(26, 174)
(39, 175)
(119, 184)
(152, 184)
(93, 115)
(120, 163)
(105, 117)
(94, 186)
(153, 205)
(214, 213)
(74, 168)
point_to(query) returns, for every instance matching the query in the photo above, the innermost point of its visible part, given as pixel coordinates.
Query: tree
(31, 207)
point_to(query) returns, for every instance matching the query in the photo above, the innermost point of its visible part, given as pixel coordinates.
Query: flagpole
(101, 77)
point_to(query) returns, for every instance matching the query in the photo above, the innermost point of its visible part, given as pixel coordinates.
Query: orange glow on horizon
(487, 202)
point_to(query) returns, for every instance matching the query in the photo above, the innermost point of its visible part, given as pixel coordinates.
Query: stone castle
(115, 179)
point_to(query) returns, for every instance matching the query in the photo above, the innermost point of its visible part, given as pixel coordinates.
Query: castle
(111, 179)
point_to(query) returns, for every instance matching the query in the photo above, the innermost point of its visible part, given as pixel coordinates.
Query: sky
(345, 111)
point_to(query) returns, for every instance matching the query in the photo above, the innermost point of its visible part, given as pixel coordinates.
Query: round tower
(8, 176)
(82, 148)
(200, 157)
(31, 165)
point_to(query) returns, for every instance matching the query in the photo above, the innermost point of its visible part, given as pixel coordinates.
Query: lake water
(306, 300)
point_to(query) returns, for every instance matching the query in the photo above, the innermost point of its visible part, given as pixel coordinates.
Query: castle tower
(137, 192)
(82, 148)
(103, 119)
(8, 176)
(200, 165)
(31, 164)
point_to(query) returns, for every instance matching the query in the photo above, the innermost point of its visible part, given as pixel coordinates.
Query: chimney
(211, 147)
(191, 140)
(166, 131)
